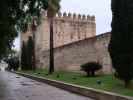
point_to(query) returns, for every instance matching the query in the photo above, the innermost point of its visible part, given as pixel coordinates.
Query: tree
(23, 56)
(120, 48)
(12, 59)
(7, 27)
(91, 67)
(27, 55)
(53, 8)
(34, 25)
(13, 63)
(14, 17)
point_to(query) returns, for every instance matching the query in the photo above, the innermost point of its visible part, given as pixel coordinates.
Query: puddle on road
(38, 84)
(26, 84)
(32, 81)
(27, 96)
(16, 90)
(3, 85)
(18, 77)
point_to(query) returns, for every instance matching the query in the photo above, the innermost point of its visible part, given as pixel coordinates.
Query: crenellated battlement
(72, 16)
(74, 40)
(67, 28)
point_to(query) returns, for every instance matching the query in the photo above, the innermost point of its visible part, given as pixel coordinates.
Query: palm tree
(53, 8)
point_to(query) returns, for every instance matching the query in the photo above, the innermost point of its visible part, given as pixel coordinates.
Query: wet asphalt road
(15, 87)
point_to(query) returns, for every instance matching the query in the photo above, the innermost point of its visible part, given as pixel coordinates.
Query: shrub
(27, 55)
(91, 67)
(13, 63)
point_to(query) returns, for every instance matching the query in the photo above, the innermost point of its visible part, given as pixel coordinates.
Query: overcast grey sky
(99, 8)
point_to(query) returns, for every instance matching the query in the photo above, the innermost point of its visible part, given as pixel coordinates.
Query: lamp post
(34, 25)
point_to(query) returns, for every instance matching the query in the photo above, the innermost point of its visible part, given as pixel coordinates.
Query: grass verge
(105, 82)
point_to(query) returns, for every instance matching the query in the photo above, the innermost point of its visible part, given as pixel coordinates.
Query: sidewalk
(14, 87)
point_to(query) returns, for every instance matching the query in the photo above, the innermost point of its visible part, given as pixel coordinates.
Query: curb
(89, 92)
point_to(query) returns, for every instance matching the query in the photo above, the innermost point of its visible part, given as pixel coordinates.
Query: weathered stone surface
(69, 57)
(66, 30)
(75, 43)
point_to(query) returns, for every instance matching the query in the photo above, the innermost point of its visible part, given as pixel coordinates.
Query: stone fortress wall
(68, 28)
(75, 42)
(69, 57)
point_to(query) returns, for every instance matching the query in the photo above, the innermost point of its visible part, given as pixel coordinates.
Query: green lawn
(108, 82)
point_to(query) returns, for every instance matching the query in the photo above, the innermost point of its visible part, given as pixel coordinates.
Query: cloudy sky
(99, 8)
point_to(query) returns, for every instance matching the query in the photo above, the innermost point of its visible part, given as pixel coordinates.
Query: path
(15, 87)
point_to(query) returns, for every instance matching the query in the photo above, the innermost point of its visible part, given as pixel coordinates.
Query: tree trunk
(34, 25)
(51, 59)
(34, 55)
(93, 73)
(88, 73)
(127, 84)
